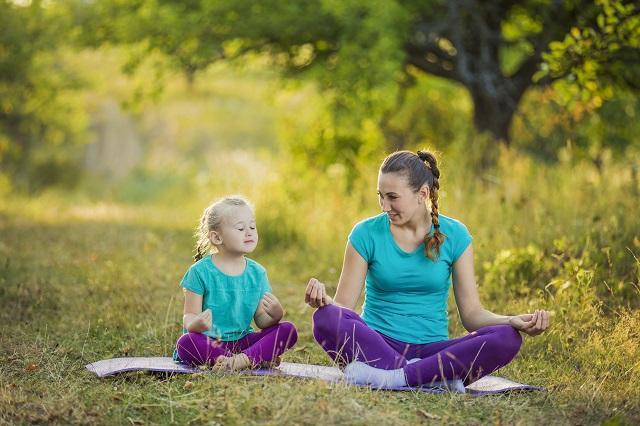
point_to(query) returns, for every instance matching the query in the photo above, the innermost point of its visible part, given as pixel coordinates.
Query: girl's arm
(194, 320)
(269, 311)
(354, 272)
(473, 315)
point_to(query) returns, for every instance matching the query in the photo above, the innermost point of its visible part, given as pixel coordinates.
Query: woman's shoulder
(377, 222)
(451, 225)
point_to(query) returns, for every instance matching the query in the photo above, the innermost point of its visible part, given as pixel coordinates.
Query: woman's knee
(509, 339)
(324, 318)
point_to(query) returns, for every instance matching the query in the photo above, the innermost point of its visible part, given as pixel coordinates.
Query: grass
(77, 287)
(94, 273)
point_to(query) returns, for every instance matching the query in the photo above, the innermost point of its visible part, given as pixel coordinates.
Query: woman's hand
(316, 294)
(272, 307)
(532, 324)
(200, 322)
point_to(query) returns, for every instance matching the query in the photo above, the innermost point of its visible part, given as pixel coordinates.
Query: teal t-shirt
(406, 293)
(233, 299)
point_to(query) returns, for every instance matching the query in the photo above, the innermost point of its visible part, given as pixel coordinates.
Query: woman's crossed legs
(346, 338)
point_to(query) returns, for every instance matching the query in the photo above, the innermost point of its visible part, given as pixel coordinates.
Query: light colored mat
(487, 385)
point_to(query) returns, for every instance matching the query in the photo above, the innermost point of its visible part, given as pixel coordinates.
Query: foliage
(363, 55)
(598, 58)
(41, 120)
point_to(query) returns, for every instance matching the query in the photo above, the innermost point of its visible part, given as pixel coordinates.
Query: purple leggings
(264, 345)
(345, 337)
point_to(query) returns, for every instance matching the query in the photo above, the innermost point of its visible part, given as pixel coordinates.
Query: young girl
(225, 290)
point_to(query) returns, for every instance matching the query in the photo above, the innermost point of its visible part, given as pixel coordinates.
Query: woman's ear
(215, 237)
(423, 194)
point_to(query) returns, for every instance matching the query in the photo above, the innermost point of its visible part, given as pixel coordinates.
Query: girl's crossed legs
(346, 338)
(261, 346)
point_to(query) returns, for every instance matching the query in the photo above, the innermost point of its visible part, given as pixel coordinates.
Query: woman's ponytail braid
(420, 169)
(434, 240)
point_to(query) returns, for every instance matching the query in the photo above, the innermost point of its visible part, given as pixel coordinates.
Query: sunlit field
(97, 223)
(84, 280)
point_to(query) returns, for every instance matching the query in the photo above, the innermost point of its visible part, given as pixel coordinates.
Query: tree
(599, 58)
(364, 53)
(37, 113)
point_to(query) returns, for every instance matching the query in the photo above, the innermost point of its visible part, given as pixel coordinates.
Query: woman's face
(398, 200)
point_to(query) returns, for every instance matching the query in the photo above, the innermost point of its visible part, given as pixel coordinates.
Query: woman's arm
(354, 272)
(473, 315)
(269, 311)
(194, 320)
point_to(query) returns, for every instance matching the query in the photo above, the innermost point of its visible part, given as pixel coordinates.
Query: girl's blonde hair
(211, 220)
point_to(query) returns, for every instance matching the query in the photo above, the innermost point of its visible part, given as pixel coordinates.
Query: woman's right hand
(316, 294)
(201, 322)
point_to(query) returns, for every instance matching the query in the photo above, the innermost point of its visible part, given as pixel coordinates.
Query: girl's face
(238, 232)
(398, 200)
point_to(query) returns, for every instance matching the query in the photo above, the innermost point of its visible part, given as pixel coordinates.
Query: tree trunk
(461, 40)
(493, 114)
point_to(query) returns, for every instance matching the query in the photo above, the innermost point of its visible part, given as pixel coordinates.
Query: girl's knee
(188, 348)
(189, 339)
(290, 333)
(289, 329)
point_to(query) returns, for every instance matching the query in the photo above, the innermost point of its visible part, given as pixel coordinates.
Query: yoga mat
(487, 385)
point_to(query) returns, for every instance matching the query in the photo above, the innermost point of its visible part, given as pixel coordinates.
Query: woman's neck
(420, 222)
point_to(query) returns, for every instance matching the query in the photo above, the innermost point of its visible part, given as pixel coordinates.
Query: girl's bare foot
(233, 363)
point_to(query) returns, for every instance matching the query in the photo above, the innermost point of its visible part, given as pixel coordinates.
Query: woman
(405, 257)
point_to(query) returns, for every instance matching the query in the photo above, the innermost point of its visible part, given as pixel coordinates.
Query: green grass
(79, 284)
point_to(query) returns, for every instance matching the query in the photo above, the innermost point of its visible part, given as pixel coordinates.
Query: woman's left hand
(532, 324)
(272, 306)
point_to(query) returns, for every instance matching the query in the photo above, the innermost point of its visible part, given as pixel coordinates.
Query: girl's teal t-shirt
(233, 299)
(406, 293)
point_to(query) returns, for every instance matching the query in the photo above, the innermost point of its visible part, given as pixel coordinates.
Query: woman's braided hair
(420, 168)
(211, 220)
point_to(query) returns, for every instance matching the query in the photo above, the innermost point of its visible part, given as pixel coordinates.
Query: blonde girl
(224, 290)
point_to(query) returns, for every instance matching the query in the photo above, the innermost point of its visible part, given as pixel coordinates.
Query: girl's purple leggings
(346, 338)
(264, 345)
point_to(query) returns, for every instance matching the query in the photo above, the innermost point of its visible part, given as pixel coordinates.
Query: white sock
(360, 373)
(454, 385)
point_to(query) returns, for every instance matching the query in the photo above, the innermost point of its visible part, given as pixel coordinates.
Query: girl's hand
(316, 294)
(201, 322)
(532, 324)
(272, 306)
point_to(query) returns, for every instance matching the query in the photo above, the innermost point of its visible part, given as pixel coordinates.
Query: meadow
(86, 277)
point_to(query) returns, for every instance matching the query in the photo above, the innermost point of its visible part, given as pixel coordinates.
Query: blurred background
(121, 120)
(149, 109)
